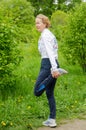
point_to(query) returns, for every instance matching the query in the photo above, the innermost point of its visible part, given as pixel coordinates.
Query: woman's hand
(55, 74)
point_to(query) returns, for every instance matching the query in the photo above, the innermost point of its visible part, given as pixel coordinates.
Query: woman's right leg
(44, 78)
(42, 82)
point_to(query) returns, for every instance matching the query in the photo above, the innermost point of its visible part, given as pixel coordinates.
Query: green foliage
(8, 54)
(20, 12)
(58, 21)
(16, 19)
(75, 36)
(48, 7)
(66, 5)
(43, 6)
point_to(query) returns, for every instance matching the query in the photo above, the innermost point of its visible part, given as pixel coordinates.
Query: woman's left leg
(51, 99)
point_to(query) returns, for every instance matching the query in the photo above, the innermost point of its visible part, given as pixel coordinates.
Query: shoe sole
(50, 125)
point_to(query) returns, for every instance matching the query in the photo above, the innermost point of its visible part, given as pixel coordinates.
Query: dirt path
(70, 125)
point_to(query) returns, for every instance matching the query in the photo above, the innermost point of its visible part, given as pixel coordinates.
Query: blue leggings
(45, 82)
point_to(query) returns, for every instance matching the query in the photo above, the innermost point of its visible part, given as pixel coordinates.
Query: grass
(23, 111)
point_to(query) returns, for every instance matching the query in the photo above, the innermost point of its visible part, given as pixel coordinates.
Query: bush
(75, 36)
(16, 19)
(58, 21)
(8, 54)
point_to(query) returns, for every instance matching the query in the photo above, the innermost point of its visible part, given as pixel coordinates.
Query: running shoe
(62, 71)
(50, 122)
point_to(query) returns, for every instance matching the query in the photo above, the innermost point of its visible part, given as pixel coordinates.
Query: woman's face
(40, 25)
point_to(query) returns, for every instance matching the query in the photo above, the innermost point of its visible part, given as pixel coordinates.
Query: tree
(49, 6)
(75, 36)
(66, 5)
(42, 6)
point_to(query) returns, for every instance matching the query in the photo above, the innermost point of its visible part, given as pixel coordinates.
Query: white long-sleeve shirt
(48, 47)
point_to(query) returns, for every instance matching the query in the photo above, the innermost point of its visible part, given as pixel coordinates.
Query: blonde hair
(44, 19)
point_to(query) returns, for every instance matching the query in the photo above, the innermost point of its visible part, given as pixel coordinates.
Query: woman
(49, 70)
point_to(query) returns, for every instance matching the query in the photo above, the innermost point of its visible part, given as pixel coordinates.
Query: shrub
(16, 19)
(58, 21)
(8, 55)
(75, 36)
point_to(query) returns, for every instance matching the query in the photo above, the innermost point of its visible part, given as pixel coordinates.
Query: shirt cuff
(54, 70)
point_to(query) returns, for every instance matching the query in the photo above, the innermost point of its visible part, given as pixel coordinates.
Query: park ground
(76, 124)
